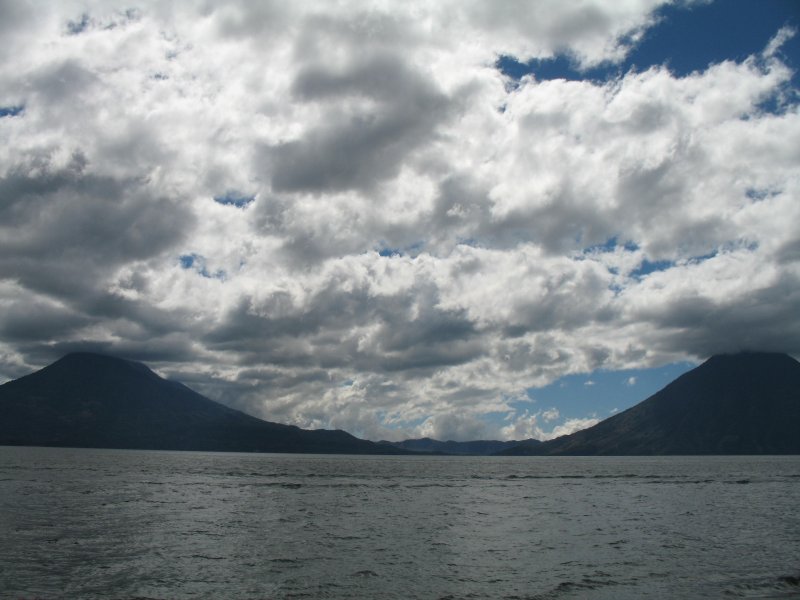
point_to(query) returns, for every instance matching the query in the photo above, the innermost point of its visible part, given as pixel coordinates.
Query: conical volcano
(746, 403)
(92, 400)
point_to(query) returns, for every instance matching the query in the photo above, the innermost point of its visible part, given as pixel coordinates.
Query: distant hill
(474, 448)
(91, 400)
(745, 403)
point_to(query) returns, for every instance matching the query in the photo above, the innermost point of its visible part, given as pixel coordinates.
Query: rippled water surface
(132, 524)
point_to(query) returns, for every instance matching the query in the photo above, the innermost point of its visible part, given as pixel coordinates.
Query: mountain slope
(745, 403)
(91, 400)
(472, 448)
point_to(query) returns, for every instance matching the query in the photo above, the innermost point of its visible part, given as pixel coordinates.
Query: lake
(81, 523)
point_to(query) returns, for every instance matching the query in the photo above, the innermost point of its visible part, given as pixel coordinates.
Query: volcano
(747, 403)
(97, 401)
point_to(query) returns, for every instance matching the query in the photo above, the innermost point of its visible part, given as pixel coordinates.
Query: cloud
(784, 34)
(374, 113)
(551, 414)
(526, 426)
(455, 427)
(571, 426)
(64, 229)
(591, 32)
(349, 217)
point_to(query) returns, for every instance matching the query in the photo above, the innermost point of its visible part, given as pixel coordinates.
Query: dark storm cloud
(431, 328)
(63, 233)
(247, 390)
(151, 352)
(355, 147)
(144, 320)
(464, 211)
(62, 229)
(461, 206)
(325, 330)
(789, 252)
(568, 302)
(423, 361)
(26, 320)
(430, 339)
(281, 315)
(44, 329)
(59, 86)
(759, 320)
(560, 226)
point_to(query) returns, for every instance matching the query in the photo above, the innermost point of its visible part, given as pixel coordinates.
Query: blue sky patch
(235, 199)
(187, 260)
(610, 245)
(197, 262)
(79, 26)
(601, 392)
(684, 42)
(388, 251)
(686, 39)
(651, 266)
(757, 195)
(558, 67)
(11, 111)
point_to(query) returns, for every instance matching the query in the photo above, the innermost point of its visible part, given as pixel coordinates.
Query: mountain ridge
(468, 448)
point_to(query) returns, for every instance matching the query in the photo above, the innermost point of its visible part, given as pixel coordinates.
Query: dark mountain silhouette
(91, 400)
(473, 448)
(745, 403)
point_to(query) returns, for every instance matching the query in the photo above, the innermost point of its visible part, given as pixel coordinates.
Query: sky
(456, 219)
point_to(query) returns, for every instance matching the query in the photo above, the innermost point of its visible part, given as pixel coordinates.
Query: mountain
(91, 400)
(745, 403)
(473, 448)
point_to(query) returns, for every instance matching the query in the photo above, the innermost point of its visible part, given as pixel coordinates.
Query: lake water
(80, 523)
